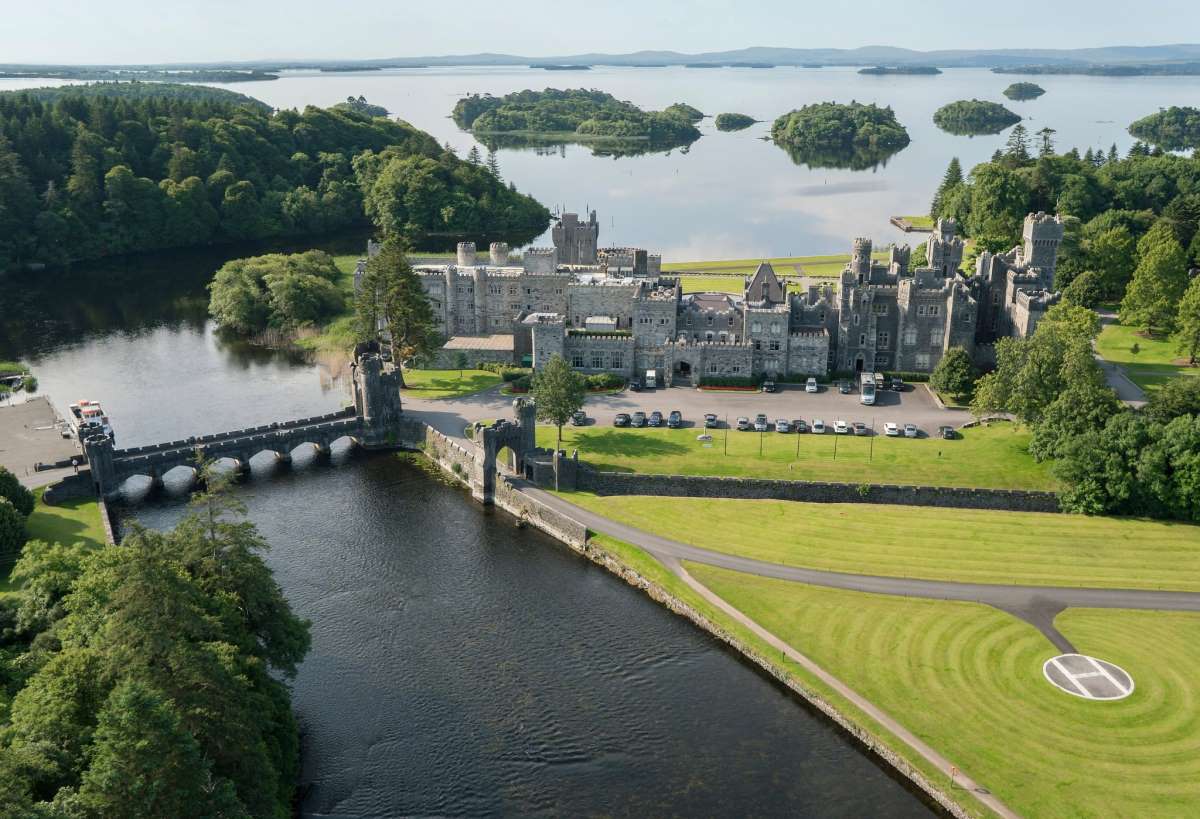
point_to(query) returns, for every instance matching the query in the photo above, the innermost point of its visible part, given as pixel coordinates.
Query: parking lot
(912, 406)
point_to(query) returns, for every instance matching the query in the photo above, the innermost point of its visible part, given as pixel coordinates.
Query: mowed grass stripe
(995, 457)
(1022, 548)
(967, 679)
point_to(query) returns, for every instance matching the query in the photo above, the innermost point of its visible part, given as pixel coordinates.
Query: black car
(578, 419)
(800, 425)
(635, 385)
(710, 420)
(675, 419)
(621, 419)
(639, 419)
(769, 386)
(844, 387)
(656, 419)
(946, 432)
(898, 384)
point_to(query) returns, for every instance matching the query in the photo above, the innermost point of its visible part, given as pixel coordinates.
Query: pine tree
(1047, 145)
(1017, 147)
(951, 179)
(493, 164)
(1089, 158)
(1113, 156)
(1187, 323)
(473, 155)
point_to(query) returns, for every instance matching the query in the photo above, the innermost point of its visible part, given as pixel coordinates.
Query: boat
(90, 419)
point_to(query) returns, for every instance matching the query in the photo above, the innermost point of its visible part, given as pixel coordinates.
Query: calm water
(733, 195)
(459, 666)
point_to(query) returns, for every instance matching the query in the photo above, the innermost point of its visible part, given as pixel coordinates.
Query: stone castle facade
(612, 309)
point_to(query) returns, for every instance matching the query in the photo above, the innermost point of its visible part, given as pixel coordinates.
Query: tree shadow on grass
(624, 444)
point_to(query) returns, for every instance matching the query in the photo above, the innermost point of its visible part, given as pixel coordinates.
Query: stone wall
(621, 483)
(537, 514)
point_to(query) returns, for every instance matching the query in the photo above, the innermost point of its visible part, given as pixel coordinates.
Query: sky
(156, 31)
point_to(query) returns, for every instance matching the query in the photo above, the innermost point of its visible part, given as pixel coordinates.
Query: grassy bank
(827, 266)
(978, 546)
(967, 679)
(991, 457)
(447, 383)
(77, 520)
(1153, 362)
(653, 571)
(705, 283)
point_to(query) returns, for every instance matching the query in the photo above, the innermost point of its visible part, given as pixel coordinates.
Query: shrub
(604, 381)
(521, 384)
(12, 531)
(16, 494)
(29, 383)
(729, 381)
(954, 374)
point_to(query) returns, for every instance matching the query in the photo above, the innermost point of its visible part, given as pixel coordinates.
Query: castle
(612, 309)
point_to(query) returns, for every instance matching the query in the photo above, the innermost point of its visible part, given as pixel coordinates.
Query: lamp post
(727, 434)
(871, 450)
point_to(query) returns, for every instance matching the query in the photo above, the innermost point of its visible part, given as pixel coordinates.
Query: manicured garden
(828, 266)
(991, 457)
(1148, 361)
(447, 383)
(77, 520)
(979, 546)
(967, 679)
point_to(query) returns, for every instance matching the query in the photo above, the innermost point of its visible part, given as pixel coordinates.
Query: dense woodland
(586, 113)
(149, 679)
(969, 117)
(832, 135)
(1132, 234)
(86, 176)
(734, 122)
(1173, 129)
(1024, 91)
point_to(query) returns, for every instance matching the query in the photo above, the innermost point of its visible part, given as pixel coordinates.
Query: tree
(17, 495)
(952, 178)
(1152, 298)
(390, 296)
(558, 392)
(1000, 200)
(493, 164)
(1176, 397)
(1187, 323)
(1112, 254)
(1085, 403)
(1046, 138)
(12, 530)
(1017, 146)
(1085, 290)
(954, 374)
(473, 155)
(460, 362)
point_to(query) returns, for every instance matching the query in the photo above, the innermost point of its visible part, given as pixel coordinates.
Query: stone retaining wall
(621, 483)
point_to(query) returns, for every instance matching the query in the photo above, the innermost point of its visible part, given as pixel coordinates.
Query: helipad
(1087, 677)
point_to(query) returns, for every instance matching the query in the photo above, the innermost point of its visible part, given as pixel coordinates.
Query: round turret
(466, 254)
(499, 253)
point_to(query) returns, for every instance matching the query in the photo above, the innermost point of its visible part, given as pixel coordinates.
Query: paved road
(29, 433)
(1037, 605)
(915, 405)
(1115, 374)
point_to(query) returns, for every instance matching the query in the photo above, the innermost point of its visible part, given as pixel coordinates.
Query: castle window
(460, 289)
(935, 309)
(774, 328)
(881, 360)
(920, 309)
(935, 335)
(708, 336)
(879, 308)
(710, 321)
(856, 319)
(735, 369)
(495, 289)
(662, 320)
(922, 361)
(558, 291)
(577, 360)
(597, 361)
(617, 361)
(774, 345)
(528, 291)
(884, 338)
(862, 339)
(731, 321)
(512, 291)
(995, 297)
(822, 318)
(910, 335)
(756, 327)
(757, 344)
(712, 368)
(723, 337)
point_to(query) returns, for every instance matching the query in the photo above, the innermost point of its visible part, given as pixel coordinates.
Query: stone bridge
(374, 422)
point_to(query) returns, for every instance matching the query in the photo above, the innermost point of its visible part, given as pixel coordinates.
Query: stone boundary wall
(106, 521)
(537, 514)
(694, 486)
(449, 453)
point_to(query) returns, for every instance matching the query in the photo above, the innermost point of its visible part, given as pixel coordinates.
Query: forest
(968, 117)
(832, 135)
(576, 113)
(1173, 129)
(1024, 91)
(130, 169)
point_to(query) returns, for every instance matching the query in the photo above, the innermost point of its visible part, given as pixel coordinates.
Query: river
(460, 666)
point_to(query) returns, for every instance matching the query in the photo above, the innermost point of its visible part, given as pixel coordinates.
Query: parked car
(841, 427)
(743, 423)
(675, 419)
(879, 381)
(635, 385)
(655, 419)
(948, 433)
(578, 418)
(810, 385)
(859, 428)
(783, 425)
(639, 419)
(818, 426)
(897, 384)
(799, 425)
(621, 419)
(710, 420)
(911, 431)
(760, 423)
(890, 429)
(769, 386)
(844, 387)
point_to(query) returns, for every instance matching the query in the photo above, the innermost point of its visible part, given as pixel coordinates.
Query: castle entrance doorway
(858, 364)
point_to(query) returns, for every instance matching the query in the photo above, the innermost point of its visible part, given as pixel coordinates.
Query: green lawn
(830, 266)
(971, 545)
(705, 283)
(66, 523)
(967, 679)
(447, 383)
(994, 457)
(1151, 365)
(920, 222)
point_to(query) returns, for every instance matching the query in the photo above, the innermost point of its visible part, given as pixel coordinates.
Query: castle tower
(466, 254)
(575, 241)
(944, 250)
(1042, 235)
(498, 251)
(860, 260)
